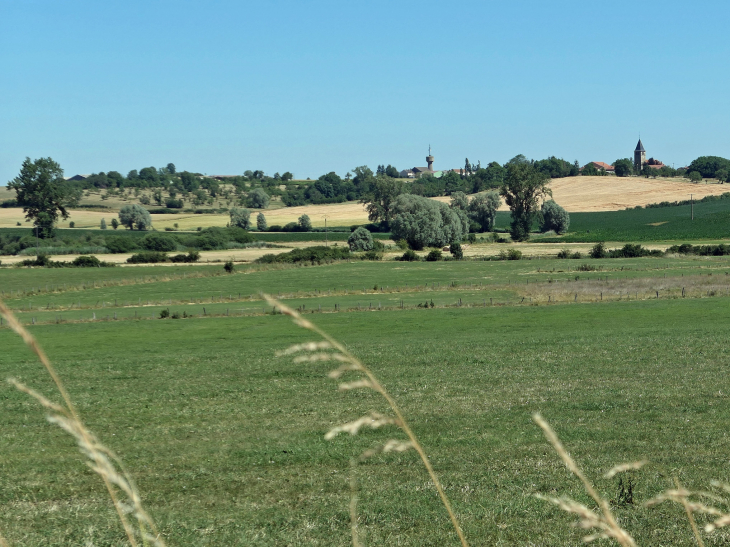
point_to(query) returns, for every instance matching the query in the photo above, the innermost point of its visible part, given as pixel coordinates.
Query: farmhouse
(600, 165)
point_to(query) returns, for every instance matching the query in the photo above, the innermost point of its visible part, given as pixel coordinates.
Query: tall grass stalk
(374, 420)
(605, 523)
(101, 460)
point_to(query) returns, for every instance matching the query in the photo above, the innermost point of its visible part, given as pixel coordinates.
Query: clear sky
(313, 86)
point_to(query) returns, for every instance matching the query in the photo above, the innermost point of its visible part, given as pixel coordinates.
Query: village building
(600, 165)
(416, 172)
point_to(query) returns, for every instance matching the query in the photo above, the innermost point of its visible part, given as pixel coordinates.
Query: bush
(313, 255)
(174, 203)
(409, 256)
(121, 244)
(373, 255)
(510, 254)
(229, 267)
(434, 255)
(586, 268)
(564, 253)
(554, 217)
(72, 224)
(598, 251)
(103, 224)
(158, 242)
(164, 314)
(147, 257)
(701, 250)
(192, 256)
(456, 251)
(115, 223)
(360, 240)
(84, 261)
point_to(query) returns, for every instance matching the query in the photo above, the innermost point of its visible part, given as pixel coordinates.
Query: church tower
(639, 157)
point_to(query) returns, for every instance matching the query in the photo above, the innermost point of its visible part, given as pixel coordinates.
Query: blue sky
(312, 86)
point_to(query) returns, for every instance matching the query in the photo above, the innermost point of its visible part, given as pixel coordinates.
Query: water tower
(429, 159)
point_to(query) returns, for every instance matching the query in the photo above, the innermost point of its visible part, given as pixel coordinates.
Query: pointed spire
(639, 147)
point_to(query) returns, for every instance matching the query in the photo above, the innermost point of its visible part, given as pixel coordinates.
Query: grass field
(226, 442)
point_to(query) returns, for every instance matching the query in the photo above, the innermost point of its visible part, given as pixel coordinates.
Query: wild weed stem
(377, 386)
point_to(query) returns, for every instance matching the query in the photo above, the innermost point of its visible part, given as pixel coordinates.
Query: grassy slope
(226, 441)
(712, 220)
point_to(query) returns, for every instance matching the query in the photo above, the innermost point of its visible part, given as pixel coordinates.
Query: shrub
(72, 224)
(510, 254)
(313, 255)
(174, 203)
(472, 238)
(402, 244)
(598, 251)
(409, 256)
(147, 257)
(456, 251)
(115, 223)
(121, 244)
(360, 240)
(240, 218)
(164, 314)
(373, 255)
(84, 261)
(586, 268)
(564, 253)
(158, 242)
(434, 255)
(103, 224)
(192, 256)
(229, 267)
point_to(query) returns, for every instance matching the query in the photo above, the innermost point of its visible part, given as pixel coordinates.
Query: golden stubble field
(576, 194)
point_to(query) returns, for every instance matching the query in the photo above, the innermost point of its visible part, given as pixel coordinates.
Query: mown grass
(356, 277)
(226, 442)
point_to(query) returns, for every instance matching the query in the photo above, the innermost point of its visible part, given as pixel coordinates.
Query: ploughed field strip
(363, 286)
(226, 441)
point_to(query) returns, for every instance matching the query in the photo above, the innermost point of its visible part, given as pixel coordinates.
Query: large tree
(43, 193)
(623, 167)
(424, 222)
(379, 202)
(482, 209)
(522, 190)
(135, 216)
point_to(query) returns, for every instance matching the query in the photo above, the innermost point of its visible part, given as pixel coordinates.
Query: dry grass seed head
(605, 523)
(374, 421)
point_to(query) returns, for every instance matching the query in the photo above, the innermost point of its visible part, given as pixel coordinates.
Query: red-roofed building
(600, 165)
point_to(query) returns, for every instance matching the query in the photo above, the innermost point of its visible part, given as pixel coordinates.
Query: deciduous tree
(43, 193)
(522, 190)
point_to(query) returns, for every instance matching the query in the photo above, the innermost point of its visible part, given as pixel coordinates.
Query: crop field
(226, 441)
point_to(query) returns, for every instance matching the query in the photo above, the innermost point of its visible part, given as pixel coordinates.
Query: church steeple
(639, 156)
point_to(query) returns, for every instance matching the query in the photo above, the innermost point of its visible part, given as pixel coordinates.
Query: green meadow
(226, 441)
